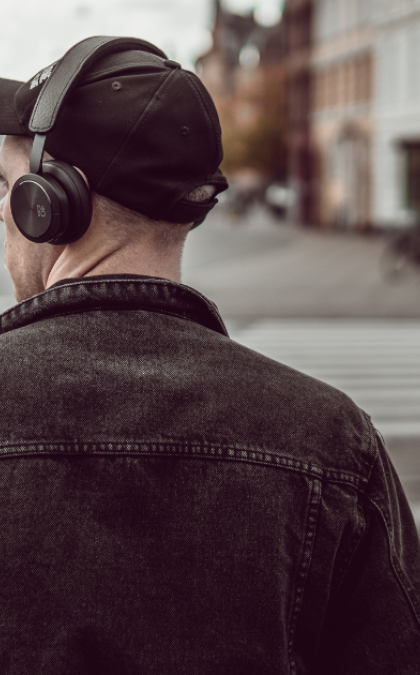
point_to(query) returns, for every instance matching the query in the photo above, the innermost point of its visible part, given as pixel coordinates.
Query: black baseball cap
(144, 131)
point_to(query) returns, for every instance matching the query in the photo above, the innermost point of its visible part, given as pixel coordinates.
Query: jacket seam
(114, 308)
(375, 455)
(403, 582)
(353, 547)
(306, 558)
(174, 448)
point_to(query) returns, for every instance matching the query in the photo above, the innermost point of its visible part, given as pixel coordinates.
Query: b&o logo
(41, 211)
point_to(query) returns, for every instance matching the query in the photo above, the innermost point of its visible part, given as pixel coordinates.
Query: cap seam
(110, 70)
(205, 107)
(149, 109)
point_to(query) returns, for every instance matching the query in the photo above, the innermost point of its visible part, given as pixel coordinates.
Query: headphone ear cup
(39, 208)
(78, 199)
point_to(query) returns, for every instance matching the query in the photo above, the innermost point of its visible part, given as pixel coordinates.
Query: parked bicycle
(401, 257)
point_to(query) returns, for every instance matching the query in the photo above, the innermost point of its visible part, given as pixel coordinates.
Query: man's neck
(93, 255)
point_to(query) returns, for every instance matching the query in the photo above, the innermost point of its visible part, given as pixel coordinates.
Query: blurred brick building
(366, 110)
(341, 79)
(295, 38)
(342, 111)
(260, 77)
(396, 156)
(243, 71)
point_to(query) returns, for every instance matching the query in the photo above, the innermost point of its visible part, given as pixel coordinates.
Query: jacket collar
(115, 292)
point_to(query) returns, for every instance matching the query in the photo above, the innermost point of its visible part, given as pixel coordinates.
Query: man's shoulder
(217, 389)
(286, 411)
(274, 379)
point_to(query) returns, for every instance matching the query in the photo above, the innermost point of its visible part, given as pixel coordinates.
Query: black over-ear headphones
(52, 203)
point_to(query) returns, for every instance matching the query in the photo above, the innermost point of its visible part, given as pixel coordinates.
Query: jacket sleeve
(374, 626)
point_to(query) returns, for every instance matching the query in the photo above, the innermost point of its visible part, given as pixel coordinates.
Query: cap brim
(9, 120)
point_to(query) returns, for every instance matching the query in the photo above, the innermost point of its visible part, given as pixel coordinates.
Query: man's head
(142, 131)
(118, 240)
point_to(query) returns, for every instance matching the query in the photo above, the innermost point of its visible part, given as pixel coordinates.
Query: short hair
(201, 194)
(126, 224)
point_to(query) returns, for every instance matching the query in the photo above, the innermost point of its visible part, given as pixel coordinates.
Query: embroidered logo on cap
(42, 76)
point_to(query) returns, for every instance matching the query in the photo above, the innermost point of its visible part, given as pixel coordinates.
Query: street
(317, 302)
(261, 267)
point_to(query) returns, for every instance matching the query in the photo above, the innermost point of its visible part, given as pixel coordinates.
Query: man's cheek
(6, 255)
(11, 229)
(7, 251)
(2, 205)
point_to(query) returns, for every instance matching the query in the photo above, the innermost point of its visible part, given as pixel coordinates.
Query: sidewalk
(262, 267)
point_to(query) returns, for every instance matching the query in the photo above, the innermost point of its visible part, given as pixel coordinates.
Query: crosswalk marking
(375, 362)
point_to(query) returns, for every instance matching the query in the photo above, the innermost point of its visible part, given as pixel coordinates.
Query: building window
(413, 176)
(333, 17)
(363, 79)
(344, 84)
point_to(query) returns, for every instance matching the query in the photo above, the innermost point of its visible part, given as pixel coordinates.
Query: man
(171, 502)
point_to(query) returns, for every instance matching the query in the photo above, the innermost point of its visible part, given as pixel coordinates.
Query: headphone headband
(68, 71)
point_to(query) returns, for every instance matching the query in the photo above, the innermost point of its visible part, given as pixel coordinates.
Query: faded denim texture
(174, 503)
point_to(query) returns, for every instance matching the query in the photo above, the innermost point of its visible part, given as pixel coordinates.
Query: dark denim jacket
(174, 503)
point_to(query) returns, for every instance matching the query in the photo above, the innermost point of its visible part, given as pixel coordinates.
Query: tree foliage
(259, 143)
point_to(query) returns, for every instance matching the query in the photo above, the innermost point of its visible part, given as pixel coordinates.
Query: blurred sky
(34, 33)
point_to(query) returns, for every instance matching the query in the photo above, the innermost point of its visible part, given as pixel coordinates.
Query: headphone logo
(41, 211)
(42, 76)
